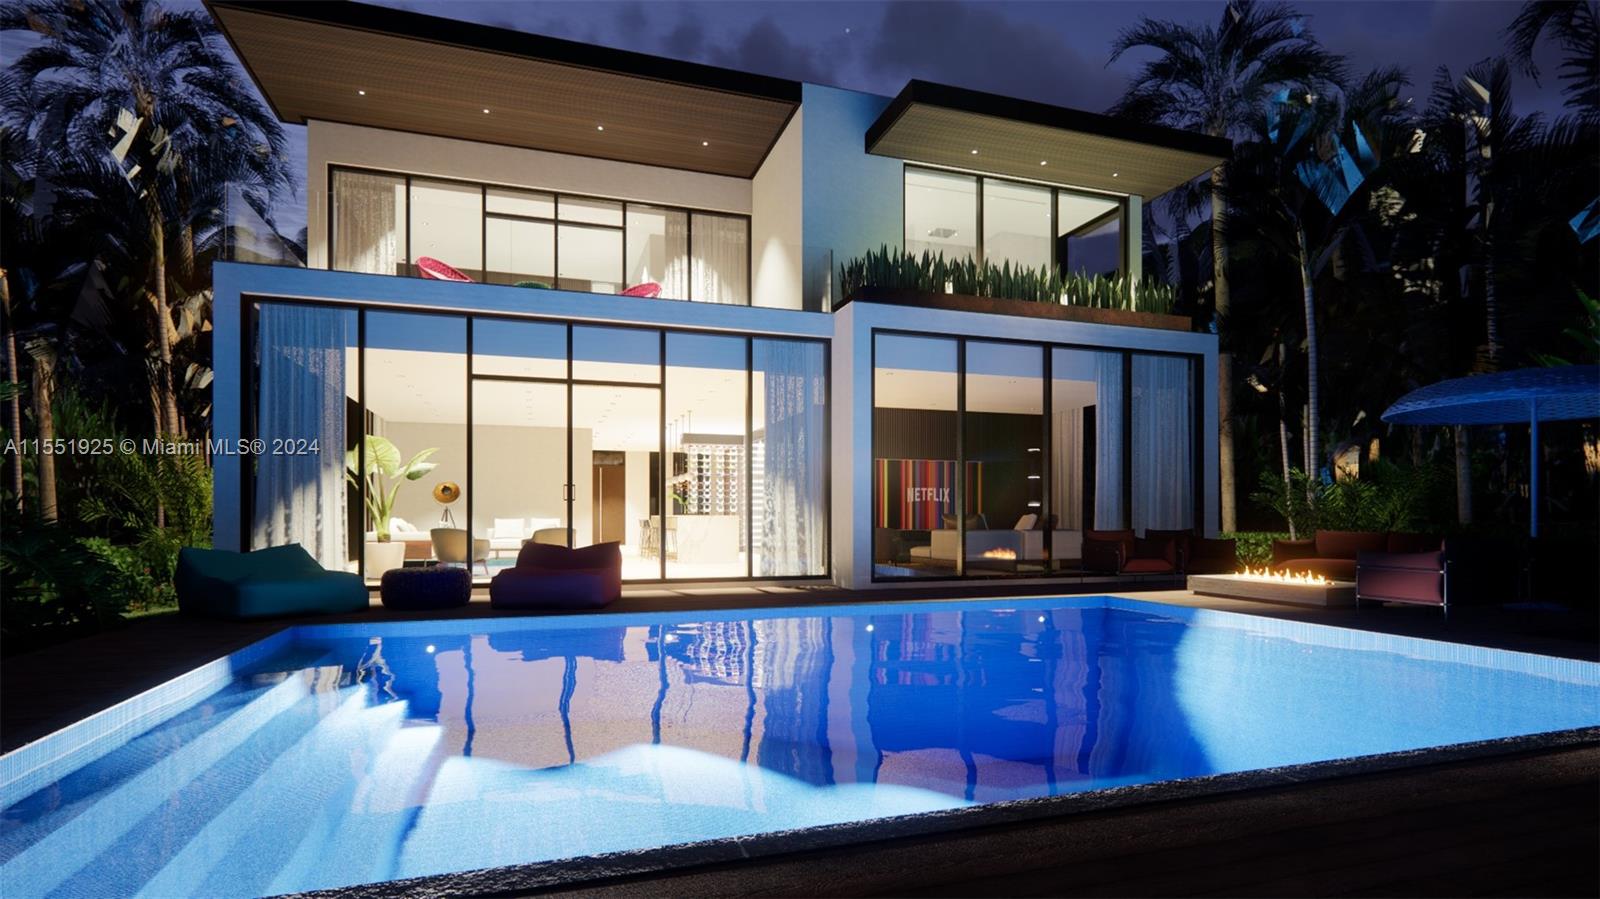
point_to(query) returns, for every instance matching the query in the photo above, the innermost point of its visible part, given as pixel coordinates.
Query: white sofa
(508, 534)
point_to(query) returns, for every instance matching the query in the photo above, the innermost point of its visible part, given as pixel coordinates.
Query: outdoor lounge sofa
(547, 576)
(1418, 578)
(1333, 554)
(282, 580)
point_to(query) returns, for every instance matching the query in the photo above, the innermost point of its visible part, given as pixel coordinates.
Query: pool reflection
(975, 705)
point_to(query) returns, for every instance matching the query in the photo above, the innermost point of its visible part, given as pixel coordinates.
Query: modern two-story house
(749, 328)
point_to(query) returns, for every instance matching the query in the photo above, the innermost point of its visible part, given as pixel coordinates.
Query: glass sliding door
(1163, 443)
(1086, 448)
(520, 237)
(519, 436)
(616, 475)
(1003, 438)
(369, 223)
(1088, 234)
(707, 525)
(305, 362)
(915, 483)
(447, 225)
(789, 457)
(589, 245)
(415, 378)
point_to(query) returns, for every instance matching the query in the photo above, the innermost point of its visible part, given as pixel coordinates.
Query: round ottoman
(434, 587)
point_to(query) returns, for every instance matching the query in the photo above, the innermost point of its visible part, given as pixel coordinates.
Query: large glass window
(1163, 443)
(369, 223)
(941, 213)
(305, 363)
(415, 377)
(537, 239)
(447, 224)
(914, 450)
(1016, 224)
(1088, 234)
(720, 270)
(717, 470)
(658, 249)
(520, 238)
(708, 452)
(1086, 451)
(1003, 436)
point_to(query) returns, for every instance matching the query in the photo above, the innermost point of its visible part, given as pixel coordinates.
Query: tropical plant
(1587, 337)
(1386, 497)
(929, 273)
(384, 475)
(165, 82)
(56, 585)
(1575, 26)
(1215, 79)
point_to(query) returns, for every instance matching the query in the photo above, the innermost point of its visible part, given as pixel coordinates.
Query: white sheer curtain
(300, 395)
(1108, 441)
(720, 265)
(675, 277)
(1066, 472)
(793, 525)
(1163, 441)
(368, 223)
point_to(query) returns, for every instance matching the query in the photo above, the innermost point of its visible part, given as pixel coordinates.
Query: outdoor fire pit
(1301, 588)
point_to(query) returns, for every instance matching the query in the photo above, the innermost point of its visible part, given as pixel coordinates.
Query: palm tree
(161, 72)
(1303, 181)
(1215, 79)
(1575, 25)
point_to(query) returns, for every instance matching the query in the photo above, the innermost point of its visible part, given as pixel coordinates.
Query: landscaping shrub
(931, 273)
(1386, 497)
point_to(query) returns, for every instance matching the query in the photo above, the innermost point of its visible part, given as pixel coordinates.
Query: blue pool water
(359, 753)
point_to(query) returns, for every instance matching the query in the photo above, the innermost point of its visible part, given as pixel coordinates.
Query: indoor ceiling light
(705, 143)
(1042, 162)
(599, 127)
(974, 152)
(1115, 174)
(361, 92)
(486, 110)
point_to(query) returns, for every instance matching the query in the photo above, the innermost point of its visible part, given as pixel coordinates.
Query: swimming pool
(332, 755)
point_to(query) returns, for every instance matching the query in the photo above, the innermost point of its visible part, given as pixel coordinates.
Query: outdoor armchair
(1120, 552)
(282, 580)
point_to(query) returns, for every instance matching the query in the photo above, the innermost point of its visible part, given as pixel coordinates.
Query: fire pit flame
(1281, 577)
(1000, 552)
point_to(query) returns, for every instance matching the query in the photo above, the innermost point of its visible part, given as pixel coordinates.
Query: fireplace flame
(1000, 552)
(1281, 577)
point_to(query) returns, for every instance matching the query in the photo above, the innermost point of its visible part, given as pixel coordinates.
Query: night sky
(1052, 52)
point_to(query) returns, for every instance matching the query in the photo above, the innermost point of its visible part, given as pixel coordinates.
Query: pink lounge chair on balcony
(435, 270)
(647, 289)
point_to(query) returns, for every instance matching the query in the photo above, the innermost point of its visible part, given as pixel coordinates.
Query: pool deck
(1525, 824)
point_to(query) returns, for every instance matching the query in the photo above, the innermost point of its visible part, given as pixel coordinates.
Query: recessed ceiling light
(1043, 162)
(705, 143)
(1115, 174)
(486, 110)
(599, 127)
(361, 92)
(974, 152)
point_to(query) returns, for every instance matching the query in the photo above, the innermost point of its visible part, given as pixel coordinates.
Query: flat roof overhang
(436, 76)
(942, 125)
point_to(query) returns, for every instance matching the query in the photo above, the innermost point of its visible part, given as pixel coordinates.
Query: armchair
(1120, 552)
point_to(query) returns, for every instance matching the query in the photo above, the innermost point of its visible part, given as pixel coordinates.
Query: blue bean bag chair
(283, 580)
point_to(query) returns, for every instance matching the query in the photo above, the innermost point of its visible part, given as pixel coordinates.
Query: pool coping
(30, 766)
(592, 869)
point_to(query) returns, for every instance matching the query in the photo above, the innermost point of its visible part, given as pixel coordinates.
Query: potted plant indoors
(384, 474)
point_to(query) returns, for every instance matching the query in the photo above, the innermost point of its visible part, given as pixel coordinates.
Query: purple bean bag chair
(547, 576)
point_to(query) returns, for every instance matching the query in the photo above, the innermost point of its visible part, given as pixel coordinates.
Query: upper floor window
(999, 221)
(384, 223)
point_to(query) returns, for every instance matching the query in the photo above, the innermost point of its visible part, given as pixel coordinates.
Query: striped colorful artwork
(916, 494)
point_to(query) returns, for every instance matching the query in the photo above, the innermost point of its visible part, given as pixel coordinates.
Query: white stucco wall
(329, 143)
(775, 225)
(854, 202)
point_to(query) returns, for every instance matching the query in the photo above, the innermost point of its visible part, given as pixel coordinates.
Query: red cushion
(1147, 566)
(432, 268)
(647, 289)
(1124, 537)
(1346, 544)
